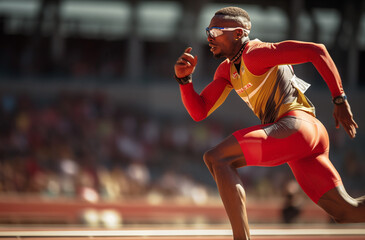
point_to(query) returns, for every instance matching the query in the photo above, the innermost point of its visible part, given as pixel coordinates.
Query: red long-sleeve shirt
(265, 81)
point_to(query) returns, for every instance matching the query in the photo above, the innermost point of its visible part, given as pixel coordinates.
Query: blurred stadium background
(92, 126)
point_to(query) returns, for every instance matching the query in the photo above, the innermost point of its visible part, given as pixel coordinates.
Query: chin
(217, 55)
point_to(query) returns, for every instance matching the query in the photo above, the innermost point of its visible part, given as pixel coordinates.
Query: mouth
(213, 47)
(215, 50)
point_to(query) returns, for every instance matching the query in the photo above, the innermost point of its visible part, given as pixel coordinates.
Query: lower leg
(342, 207)
(222, 162)
(234, 200)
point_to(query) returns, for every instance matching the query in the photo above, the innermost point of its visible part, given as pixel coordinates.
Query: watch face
(339, 100)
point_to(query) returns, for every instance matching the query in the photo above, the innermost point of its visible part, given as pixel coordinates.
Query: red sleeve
(200, 105)
(259, 57)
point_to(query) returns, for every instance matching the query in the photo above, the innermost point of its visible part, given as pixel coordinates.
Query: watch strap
(184, 80)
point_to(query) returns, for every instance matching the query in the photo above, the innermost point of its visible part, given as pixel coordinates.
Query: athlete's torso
(270, 94)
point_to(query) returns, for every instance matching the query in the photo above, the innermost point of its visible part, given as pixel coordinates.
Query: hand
(186, 63)
(342, 114)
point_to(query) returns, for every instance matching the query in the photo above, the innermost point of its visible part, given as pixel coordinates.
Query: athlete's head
(228, 30)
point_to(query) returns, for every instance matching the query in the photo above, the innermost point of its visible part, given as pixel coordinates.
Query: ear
(239, 34)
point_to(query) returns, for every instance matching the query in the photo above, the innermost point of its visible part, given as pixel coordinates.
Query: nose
(209, 36)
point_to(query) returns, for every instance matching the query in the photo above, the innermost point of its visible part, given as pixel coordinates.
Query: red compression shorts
(298, 139)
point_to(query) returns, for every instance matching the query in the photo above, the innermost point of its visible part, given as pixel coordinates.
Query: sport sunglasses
(214, 32)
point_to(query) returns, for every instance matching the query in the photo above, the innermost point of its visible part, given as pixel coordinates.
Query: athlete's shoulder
(257, 56)
(225, 65)
(256, 45)
(223, 70)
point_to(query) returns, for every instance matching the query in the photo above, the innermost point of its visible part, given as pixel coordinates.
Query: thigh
(292, 137)
(271, 144)
(316, 175)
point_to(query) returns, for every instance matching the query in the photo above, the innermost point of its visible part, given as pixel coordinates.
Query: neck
(237, 57)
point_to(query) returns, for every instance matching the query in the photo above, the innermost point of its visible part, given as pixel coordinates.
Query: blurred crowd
(81, 145)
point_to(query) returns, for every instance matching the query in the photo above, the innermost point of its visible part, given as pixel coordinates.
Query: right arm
(199, 106)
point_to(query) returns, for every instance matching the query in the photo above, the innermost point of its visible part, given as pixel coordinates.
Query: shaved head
(236, 14)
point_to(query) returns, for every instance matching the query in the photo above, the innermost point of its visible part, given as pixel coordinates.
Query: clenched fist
(185, 65)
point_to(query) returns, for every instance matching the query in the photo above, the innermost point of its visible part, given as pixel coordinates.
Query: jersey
(265, 80)
(271, 94)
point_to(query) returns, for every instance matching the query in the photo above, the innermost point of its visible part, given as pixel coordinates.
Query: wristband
(184, 80)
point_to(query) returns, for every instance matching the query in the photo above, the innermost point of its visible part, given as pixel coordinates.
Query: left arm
(297, 52)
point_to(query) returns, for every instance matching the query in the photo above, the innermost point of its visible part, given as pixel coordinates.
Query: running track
(184, 234)
(15, 210)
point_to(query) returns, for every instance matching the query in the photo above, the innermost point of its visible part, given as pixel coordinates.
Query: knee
(208, 158)
(211, 158)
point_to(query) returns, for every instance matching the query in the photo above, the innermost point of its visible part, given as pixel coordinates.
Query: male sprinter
(261, 74)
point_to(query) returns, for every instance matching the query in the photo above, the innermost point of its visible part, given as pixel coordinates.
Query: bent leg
(322, 183)
(222, 162)
(343, 208)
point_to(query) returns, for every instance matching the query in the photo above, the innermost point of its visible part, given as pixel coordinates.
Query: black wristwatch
(339, 99)
(184, 80)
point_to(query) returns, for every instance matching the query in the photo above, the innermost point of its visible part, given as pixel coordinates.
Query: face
(224, 45)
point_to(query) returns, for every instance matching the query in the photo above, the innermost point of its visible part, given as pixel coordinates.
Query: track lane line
(182, 233)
